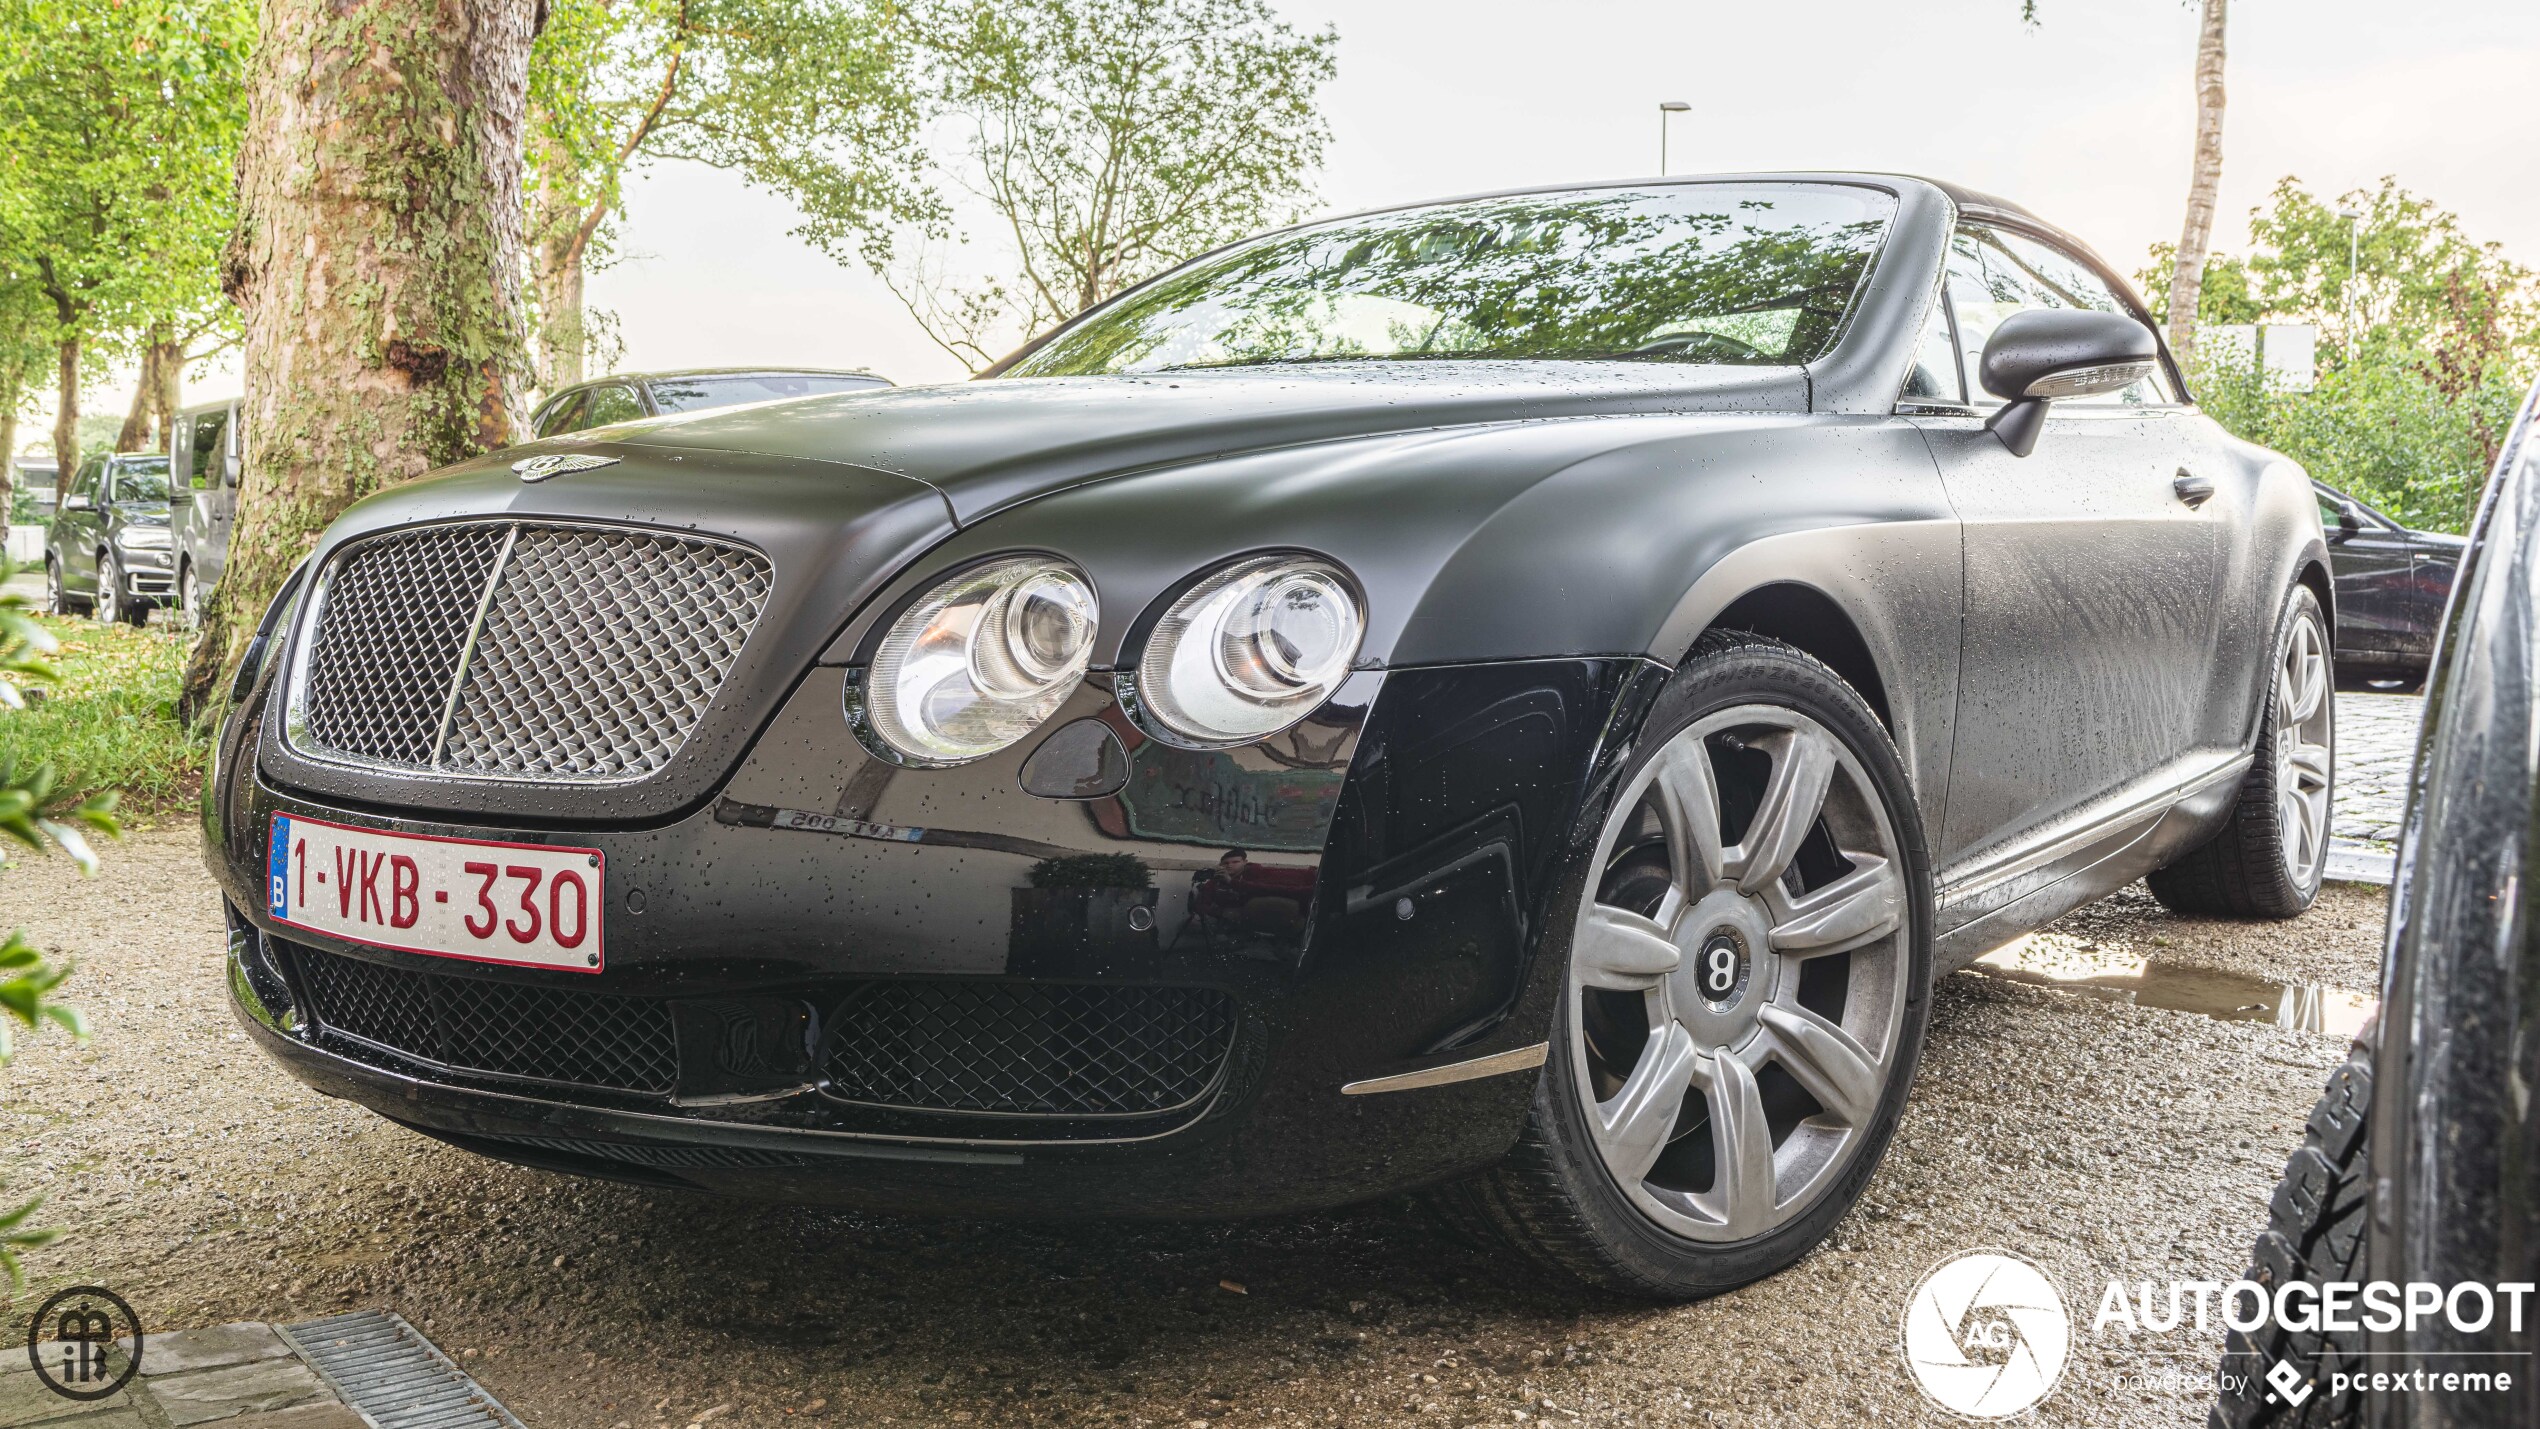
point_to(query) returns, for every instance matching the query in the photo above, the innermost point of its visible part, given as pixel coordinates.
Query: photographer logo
(1986, 1334)
(68, 1340)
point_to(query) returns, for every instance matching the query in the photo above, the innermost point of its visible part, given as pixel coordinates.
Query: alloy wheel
(2305, 715)
(108, 604)
(1738, 980)
(53, 588)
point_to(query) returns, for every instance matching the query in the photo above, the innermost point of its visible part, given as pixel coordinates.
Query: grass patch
(110, 721)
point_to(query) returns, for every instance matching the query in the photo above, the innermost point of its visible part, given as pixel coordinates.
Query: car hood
(142, 513)
(987, 445)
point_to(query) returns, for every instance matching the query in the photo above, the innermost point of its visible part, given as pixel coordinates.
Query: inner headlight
(1250, 650)
(977, 664)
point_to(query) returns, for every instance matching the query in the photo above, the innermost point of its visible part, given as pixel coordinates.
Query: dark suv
(108, 548)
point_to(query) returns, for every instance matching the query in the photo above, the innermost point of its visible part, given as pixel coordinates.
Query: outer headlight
(977, 664)
(143, 538)
(1250, 650)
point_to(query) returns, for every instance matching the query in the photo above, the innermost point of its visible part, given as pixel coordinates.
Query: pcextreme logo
(1986, 1334)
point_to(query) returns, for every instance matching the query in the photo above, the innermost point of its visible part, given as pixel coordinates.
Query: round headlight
(1250, 650)
(977, 664)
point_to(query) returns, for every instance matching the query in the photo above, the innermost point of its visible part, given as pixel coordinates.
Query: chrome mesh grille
(1028, 1048)
(549, 1034)
(596, 652)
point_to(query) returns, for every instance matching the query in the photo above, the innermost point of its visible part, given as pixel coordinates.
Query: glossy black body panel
(1441, 831)
(2069, 660)
(2455, 1133)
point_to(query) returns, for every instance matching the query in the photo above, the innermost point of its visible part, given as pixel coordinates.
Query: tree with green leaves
(1108, 140)
(376, 264)
(813, 98)
(35, 813)
(2430, 338)
(121, 121)
(2204, 183)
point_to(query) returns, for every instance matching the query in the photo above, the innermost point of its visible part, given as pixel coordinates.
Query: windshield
(690, 394)
(1756, 274)
(145, 479)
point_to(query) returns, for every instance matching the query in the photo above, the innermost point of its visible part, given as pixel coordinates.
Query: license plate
(525, 905)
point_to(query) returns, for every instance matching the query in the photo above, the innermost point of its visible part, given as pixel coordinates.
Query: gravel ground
(2100, 1138)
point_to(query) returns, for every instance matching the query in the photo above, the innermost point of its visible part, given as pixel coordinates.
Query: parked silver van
(203, 496)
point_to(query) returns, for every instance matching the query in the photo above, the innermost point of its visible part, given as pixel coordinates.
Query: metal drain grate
(394, 1377)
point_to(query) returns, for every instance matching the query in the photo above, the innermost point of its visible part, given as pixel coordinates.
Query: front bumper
(1438, 811)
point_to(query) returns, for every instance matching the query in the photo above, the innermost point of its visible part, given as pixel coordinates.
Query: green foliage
(109, 722)
(37, 813)
(810, 98)
(1109, 140)
(2428, 341)
(1092, 870)
(120, 122)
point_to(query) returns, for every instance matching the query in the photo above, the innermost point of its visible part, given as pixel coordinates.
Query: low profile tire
(1747, 982)
(2268, 859)
(2319, 1227)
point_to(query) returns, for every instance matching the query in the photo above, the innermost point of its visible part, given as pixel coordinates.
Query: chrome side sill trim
(1523, 1059)
(1962, 883)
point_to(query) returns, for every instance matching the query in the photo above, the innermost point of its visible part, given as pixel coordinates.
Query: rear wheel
(2319, 1226)
(2268, 859)
(1747, 984)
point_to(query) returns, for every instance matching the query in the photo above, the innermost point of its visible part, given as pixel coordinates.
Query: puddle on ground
(2146, 982)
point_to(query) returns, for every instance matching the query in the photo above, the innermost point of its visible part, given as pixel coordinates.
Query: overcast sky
(2086, 119)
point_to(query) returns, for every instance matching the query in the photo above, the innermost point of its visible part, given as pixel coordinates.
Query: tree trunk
(168, 393)
(562, 342)
(135, 434)
(376, 264)
(8, 462)
(66, 416)
(2187, 275)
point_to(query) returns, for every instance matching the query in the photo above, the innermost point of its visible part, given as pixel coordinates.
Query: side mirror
(2350, 519)
(2039, 355)
(78, 503)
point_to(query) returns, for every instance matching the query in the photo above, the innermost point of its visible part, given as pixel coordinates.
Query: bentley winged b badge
(539, 468)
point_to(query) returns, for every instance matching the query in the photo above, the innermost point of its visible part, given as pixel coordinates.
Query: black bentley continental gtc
(1514, 698)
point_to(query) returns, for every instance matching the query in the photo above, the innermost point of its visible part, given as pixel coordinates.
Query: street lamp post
(1665, 108)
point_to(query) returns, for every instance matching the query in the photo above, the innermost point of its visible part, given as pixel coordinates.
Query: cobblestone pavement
(2376, 747)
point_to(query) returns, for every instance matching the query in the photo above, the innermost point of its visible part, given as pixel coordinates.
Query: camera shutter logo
(1986, 1335)
(83, 1322)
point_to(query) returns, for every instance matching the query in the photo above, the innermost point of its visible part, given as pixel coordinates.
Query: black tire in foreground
(2269, 859)
(1703, 1116)
(2318, 1230)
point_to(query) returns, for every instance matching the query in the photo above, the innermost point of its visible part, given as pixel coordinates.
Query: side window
(608, 404)
(204, 474)
(84, 483)
(1994, 273)
(180, 449)
(559, 415)
(1934, 375)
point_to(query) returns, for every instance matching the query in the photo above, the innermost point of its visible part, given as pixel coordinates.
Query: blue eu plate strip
(278, 869)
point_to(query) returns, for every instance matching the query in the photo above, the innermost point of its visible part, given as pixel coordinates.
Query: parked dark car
(107, 550)
(204, 469)
(1573, 595)
(2391, 586)
(2421, 1163)
(629, 396)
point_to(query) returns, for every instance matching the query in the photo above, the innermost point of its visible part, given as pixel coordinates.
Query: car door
(2092, 584)
(220, 504)
(2373, 565)
(76, 528)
